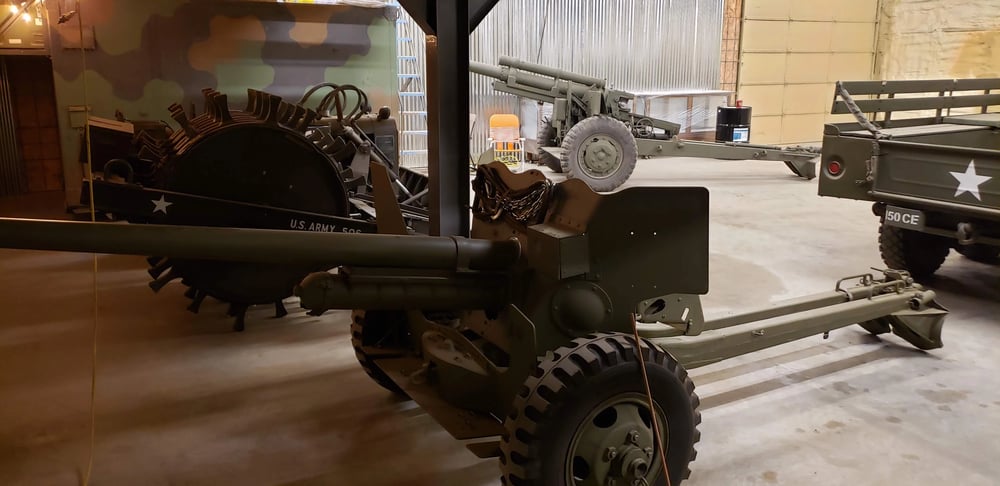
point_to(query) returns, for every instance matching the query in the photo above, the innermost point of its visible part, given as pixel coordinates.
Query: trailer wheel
(980, 253)
(547, 138)
(583, 417)
(919, 253)
(372, 330)
(601, 151)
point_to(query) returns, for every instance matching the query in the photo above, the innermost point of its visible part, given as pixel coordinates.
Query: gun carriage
(594, 135)
(527, 338)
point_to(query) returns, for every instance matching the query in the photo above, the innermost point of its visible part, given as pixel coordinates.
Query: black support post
(446, 24)
(448, 119)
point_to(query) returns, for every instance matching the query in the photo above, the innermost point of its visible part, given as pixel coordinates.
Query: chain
(494, 200)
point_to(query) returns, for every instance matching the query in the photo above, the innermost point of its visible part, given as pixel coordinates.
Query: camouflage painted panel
(229, 46)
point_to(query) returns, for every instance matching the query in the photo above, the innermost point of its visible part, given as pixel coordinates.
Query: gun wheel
(601, 151)
(919, 253)
(583, 418)
(378, 334)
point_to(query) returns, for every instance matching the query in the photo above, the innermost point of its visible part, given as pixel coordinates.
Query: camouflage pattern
(153, 53)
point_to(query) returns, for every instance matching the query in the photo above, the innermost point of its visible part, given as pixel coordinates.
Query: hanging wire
(93, 219)
(649, 396)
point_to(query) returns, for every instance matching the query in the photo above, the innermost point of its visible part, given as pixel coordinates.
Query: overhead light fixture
(26, 16)
(14, 9)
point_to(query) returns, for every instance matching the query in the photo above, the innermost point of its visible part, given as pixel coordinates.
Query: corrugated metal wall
(12, 179)
(642, 46)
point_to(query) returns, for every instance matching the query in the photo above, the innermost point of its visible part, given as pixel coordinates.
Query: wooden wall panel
(37, 121)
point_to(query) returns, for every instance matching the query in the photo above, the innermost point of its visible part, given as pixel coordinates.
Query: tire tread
(586, 128)
(558, 377)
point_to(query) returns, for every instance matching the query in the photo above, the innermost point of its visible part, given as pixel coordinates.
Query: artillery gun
(594, 136)
(557, 337)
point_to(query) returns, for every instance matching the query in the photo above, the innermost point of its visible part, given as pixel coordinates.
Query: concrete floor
(182, 400)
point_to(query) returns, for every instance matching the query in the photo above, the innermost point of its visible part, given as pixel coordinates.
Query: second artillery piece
(593, 134)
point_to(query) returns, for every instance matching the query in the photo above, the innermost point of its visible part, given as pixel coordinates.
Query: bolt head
(610, 454)
(633, 437)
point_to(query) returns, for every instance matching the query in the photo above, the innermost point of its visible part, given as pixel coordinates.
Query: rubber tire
(547, 138)
(919, 253)
(606, 125)
(573, 380)
(359, 338)
(980, 253)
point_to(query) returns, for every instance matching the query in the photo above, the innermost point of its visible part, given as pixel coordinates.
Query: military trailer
(933, 177)
(594, 135)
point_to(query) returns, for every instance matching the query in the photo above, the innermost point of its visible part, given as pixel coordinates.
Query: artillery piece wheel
(601, 151)
(582, 418)
(919, 253)
(371, 330)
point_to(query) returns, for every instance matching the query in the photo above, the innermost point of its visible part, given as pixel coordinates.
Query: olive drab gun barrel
(552, 278)
(537, 75)
(512, 63)
(547, 81)
(472, 262)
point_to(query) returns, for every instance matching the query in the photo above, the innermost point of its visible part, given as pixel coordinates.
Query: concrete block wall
(792, 54)
(928, 39)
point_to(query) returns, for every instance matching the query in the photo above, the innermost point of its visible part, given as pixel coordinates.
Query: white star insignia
(161, 205)
(969, 181)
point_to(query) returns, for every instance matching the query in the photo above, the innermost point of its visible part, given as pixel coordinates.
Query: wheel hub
(632, 463)
(601, 155)
(615, 445)
(630, 466)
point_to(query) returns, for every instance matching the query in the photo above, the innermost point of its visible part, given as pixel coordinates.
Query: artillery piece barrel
(489, 71)
(503, 75)
(260, 245)
(509, 76)
(551, 72)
